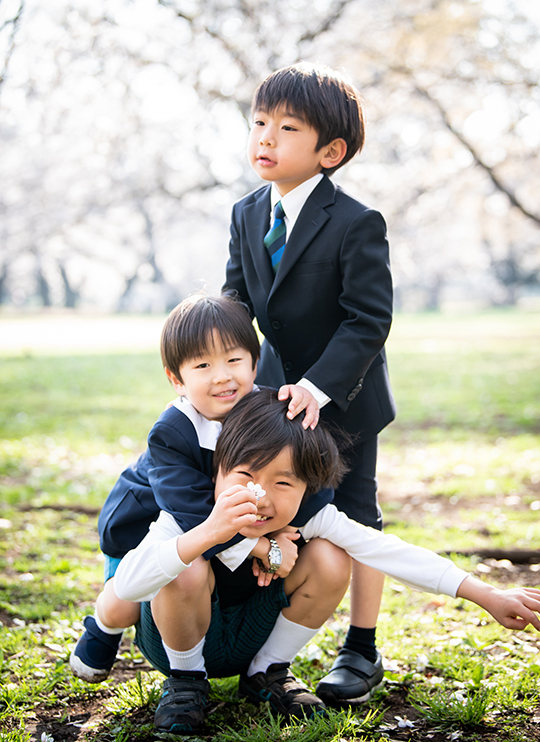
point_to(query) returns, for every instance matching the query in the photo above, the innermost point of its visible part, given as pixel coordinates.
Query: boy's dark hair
(257, 429)
(188, 330)
(321, 97)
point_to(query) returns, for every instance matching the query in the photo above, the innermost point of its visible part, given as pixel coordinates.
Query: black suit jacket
(327, 313)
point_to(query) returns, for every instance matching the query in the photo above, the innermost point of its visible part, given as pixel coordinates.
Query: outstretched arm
(514, 609)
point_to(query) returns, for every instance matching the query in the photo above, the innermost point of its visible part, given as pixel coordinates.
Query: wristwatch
(274, 558)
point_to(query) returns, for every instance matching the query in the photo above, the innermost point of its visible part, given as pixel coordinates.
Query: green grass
(93, 401)
(460, 375)
(460, 468)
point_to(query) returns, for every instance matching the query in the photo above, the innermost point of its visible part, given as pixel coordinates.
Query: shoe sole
(333, 700)
(176, 728)
(84, 672)
(249, 695)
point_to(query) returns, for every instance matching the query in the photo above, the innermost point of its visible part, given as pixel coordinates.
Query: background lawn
(459, 472)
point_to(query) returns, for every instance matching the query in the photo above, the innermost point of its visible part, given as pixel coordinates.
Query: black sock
(362, 641)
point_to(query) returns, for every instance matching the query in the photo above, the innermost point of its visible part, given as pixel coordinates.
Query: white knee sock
(106, 629)
(191, 660)
(283, 644)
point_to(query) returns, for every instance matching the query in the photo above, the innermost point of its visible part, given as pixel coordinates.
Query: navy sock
(362, 641)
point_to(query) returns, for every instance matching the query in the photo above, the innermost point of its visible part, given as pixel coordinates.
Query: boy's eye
(288, 127)
(202, 365)
(245, 473)
(235, 359)
(258, 123)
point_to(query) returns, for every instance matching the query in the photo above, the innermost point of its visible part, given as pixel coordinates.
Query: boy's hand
(514, 609)
(235, 509)
(301, 399)
(263, 578)
(289, 555)
(260, 552)
(517, 608)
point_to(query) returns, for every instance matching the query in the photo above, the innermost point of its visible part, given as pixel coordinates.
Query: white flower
(257, 490)
(46, 737)
(422, 661)
(404, 723)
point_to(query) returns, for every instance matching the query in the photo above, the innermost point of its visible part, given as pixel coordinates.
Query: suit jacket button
(287, 365)
(351, 396)
(276, 325)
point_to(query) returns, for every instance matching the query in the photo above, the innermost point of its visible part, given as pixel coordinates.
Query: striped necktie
(276, 236)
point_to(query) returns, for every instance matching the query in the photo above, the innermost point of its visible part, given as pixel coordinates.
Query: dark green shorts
(235, 635)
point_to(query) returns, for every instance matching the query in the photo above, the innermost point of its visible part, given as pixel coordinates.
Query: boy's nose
(222, 374)
(266, 139)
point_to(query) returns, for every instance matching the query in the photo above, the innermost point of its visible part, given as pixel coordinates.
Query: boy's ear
(176, 383)
(333, 153)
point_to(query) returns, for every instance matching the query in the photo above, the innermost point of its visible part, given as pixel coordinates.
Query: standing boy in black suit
(312, 264)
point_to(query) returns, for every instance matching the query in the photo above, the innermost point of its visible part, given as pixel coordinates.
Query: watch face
(274, 556)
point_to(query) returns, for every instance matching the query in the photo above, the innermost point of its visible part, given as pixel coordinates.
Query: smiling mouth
(265, 160)
(264, 517)
(225, 395)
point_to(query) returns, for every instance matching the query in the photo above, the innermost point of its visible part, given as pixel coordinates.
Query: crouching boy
(200, 620)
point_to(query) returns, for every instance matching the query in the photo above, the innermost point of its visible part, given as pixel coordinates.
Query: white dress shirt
(294, 201)
(155, 562)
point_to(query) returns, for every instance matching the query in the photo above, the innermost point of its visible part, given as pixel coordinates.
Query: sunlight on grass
(460, 468)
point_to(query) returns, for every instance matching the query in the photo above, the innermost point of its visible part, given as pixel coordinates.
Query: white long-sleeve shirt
(155, 562)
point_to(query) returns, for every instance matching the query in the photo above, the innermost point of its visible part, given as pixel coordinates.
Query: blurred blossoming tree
(123, 128)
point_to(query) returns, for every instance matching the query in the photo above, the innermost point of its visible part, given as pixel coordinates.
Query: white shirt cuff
(451, 580)
(235, 555)
(321, 398)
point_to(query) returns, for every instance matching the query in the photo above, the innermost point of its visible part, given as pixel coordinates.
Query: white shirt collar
(207, 430)
(294, 201)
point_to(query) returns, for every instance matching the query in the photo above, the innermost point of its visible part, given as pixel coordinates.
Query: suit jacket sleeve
(366, 301)
(179, 476)
(235, 283)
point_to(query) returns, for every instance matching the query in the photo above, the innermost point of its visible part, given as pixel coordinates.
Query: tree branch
(14, 23)
(495, 179)
(516, 556)
(191, 19)
(327, 23)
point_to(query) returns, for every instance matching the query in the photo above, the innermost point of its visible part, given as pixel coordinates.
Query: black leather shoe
(352, 679)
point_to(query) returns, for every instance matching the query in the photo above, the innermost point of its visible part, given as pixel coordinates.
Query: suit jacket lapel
(310, 221)
(257, 220)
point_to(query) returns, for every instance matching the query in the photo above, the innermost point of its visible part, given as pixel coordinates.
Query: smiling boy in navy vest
(312, 265)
